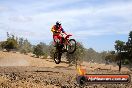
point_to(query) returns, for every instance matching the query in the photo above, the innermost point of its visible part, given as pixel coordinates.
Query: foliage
(45, 55)
(92, 56)
(119, 45)
(1, 45)
(111, 58)
(10, 43)
(40, 50)
(20, 44)
(78, 55)
(51, 49)
(24, 46)
(126, 61)
(124, 49)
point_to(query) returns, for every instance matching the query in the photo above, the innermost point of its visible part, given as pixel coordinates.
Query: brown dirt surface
(23, 71)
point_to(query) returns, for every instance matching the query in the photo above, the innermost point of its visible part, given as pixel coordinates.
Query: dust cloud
(9, 61)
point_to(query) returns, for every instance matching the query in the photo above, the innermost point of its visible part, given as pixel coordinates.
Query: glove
(57, 32)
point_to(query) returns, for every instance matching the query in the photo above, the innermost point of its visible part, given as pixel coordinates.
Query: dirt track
(44, 73)
(36, 77)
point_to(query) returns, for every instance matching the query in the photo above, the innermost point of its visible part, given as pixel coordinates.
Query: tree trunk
(120, 62)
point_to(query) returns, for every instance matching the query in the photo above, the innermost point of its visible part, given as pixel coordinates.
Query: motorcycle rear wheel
(57, 57)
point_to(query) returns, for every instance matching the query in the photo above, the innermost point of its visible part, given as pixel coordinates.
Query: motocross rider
(57, 30)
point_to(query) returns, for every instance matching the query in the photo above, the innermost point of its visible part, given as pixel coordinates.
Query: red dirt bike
(67, 45)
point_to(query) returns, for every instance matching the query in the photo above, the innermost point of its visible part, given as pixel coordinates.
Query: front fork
(66, 44)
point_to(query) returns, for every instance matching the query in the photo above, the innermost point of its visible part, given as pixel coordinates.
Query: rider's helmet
(58, 23)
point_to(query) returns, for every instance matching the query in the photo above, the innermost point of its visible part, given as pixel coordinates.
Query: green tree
(129, 44)
(24, 46)
(40, 50)
(130, 34)
(51, 49)
(20, 42)
(45, 49)
(92, 56)
(77, 56)
(119, 45)
(0, 45)
(10, 43)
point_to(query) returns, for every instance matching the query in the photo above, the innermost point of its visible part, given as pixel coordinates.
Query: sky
(96, 24)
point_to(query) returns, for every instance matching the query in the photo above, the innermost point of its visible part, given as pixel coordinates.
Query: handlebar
(68, 36)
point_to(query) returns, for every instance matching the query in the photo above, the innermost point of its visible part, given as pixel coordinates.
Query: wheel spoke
(72, 46)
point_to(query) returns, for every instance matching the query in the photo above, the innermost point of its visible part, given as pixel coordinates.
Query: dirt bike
(67, 45)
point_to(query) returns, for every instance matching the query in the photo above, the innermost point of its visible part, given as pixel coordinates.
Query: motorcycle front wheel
(71, 46)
